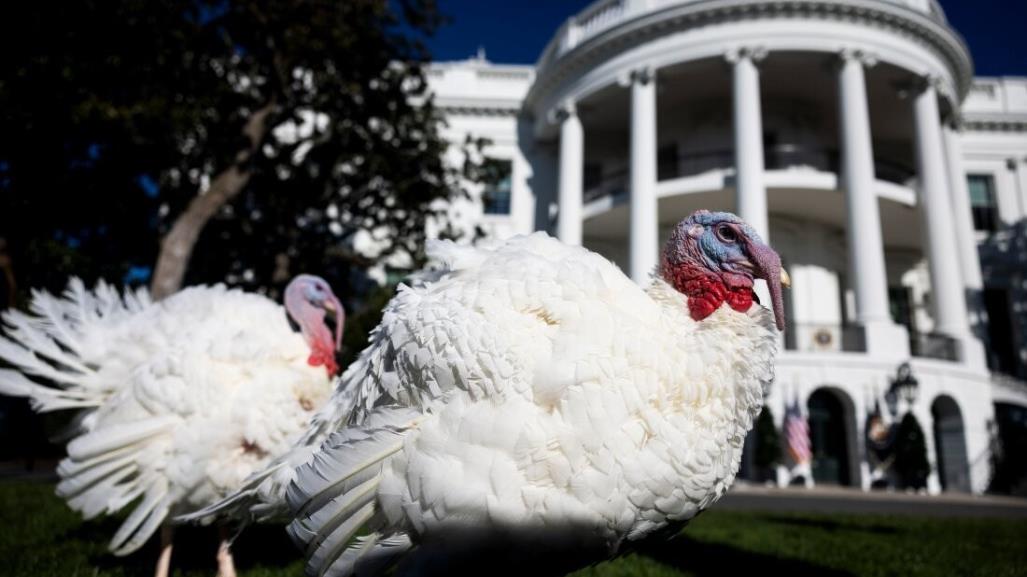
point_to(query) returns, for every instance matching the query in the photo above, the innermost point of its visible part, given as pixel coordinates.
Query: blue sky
(516, 32)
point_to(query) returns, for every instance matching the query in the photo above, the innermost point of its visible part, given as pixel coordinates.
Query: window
(667, 161)
(900, 305)
(496, 196)
(1002, 355)
(593, 175)
(982, 201)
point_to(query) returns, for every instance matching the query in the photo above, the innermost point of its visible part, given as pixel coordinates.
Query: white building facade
(850, 133)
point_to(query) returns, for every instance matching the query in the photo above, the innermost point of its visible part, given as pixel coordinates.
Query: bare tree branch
(177, 245)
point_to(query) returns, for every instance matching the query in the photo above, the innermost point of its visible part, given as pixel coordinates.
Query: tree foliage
(279, 130)
(1009, 451)
(768, 441)
(911, 463)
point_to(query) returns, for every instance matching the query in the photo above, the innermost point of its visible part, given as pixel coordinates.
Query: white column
(867, 273)
(969, 262)
(947, 299)
(966, 243)
(572, 176)
(1020, 176)
(750, 192)
(644, 228)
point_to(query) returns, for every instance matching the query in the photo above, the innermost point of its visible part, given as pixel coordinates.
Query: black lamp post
(905, 384)
(910, 465)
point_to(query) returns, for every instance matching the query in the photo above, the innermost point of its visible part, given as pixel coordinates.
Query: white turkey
(180, 400)
(526, 408)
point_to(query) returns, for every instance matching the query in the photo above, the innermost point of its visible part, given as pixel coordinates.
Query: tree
(235, 140)
(911, 463)
(1009, 450)
(768, 442)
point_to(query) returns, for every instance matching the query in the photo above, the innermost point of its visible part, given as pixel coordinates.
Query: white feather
(555, 398)
(183, 399)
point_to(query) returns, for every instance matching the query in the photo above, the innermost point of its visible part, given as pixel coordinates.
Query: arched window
(950, 445)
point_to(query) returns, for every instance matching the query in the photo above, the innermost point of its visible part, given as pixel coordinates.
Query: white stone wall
(484, 100)
(994, 140)
(481, 100)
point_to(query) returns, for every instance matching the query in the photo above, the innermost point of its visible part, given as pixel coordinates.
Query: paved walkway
(845, 500)
(746, 497)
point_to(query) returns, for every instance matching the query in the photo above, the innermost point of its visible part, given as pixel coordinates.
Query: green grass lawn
(40, 537)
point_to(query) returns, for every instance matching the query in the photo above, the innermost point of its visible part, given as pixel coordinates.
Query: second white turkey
(180, 400)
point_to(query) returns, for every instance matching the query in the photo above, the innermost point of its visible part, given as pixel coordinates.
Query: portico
(838, 144)
(842, 142)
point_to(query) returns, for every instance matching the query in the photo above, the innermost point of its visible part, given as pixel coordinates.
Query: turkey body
(181, 400)
(528, 406)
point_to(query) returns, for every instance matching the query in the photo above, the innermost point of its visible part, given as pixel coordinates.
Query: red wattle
(322, 356)
(707, 292)
(740, 299)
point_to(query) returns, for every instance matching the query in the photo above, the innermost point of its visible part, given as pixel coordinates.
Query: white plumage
(182, 399)
(526, 404)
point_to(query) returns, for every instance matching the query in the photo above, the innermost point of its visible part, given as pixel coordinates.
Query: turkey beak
(332, 305)
(767, 266)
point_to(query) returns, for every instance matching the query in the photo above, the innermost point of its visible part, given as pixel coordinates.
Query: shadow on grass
(829, 525)
(194, 549)
(717, 560)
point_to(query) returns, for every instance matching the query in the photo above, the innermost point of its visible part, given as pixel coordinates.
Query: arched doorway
(828, 436)
(950, 445)
(1010, 468)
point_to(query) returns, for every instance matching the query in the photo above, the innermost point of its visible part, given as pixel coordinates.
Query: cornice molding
(643, 75)
(464, 109)
(993, 124)
(567, 109)
(640, 75)
(754, 53)
(866, 58)
(918, 27)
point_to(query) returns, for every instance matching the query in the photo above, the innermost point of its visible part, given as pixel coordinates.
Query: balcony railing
(934, 346)
(833, 337)
(605, 14)
(824, 337)
(779, 157)
(1009, 382)
(609, 184)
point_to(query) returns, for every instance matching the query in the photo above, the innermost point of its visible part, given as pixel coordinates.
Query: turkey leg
(226, 565)
(164, 560)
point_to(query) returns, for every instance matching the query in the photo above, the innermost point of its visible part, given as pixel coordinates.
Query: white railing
(930, 7)
(591, 21)
(599, 17)
(605, 14)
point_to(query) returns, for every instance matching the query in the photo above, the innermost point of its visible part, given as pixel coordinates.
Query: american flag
(797, 433)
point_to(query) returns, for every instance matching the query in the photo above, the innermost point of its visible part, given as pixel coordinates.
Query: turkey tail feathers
(52, 344)
(333, 495)
(144, 519)
(102, 475)
(61, 343)
(119, 437)
(43, 399)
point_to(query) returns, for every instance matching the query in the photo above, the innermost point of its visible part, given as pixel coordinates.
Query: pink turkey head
(713, 257)
(307, 299)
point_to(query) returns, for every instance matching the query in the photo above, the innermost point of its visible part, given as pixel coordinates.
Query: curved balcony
(599, 184)
(608, 41)
(605, 14)
(841, 337)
